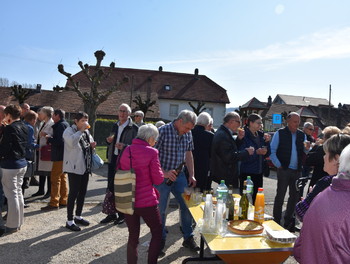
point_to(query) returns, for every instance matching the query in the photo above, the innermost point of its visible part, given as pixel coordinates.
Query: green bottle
(243, 206)
(230, 205)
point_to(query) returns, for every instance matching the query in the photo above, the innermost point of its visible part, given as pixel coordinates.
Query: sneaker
(49, 208)
(119, 220)
(108, 219)
(81, 221)
(190, 244)
(73, 227)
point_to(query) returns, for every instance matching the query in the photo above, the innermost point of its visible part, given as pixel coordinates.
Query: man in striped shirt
(175, 145)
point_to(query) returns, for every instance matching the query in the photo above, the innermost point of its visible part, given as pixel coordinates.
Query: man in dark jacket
(202, 141)
(224, 152)
(123, 132)
(287, 148)
(59, 186)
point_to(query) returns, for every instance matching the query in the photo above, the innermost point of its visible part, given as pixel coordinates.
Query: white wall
(218, 112)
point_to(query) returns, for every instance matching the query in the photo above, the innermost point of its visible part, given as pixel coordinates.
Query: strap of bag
(130, 158)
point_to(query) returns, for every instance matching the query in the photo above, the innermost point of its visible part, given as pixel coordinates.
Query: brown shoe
(49, 208)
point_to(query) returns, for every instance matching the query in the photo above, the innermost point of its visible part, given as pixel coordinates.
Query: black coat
(225, 156)
(56, 141)
(202, 141)
(315, 158)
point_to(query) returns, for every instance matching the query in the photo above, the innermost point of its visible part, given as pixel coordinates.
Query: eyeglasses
(311, 129)
(123, 111)
(259, 123)
(238, 121)
(137, 116)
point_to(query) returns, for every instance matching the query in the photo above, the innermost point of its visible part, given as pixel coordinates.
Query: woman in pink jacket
(146, 165)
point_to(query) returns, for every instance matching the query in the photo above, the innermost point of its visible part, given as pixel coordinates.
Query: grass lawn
(101, 151)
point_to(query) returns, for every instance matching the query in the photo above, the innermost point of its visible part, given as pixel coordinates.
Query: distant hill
(231, 109)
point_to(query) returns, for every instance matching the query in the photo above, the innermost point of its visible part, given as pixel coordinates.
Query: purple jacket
(146, 165)
(324, 237)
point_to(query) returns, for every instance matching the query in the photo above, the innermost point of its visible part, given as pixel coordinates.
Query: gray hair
(128, 108)
(139, 112)
(335, 145)
(147, 131)
(231, 115)
(47, 110)
(307, 125)
(187, 116)
(203, 119)
(344, 164)
(289, 116)
(159, 124)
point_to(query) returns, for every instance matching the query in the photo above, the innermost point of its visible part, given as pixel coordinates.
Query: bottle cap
(249, 178)
(260, 189)
(222, 181)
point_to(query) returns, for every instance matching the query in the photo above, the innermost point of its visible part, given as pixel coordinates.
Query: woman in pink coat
(145, 162)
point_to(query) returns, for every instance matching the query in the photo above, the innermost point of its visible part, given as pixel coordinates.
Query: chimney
(160, 68)
(196, 72)
(38, 88)
(269, 100)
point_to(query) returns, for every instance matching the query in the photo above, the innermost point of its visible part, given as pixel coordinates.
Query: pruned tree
(144, 106)
(199, 108)
(20, 94)
(4, 82)
(96, 76)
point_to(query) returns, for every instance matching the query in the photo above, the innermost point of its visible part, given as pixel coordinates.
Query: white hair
(139, 112)
(308, 124)
(47, 110)
(128, 108)
(203, 119)
(187, 116)
(147, 131)
(344, 163)
(159, 124)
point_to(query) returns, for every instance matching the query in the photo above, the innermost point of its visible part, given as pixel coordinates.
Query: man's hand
(110, 139)
(192, 181)
(119, 145)
(250, 150)
(261, 151)
(170, 175)
(240, 133)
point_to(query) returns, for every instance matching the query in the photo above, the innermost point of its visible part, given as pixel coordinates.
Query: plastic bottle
(259, 206)
(208, 214)
(222, 191)
(220, 215)
(243, 206)
(230, 205)
(250, 189)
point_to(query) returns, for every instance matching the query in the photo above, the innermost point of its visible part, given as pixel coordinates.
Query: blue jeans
(177, 188)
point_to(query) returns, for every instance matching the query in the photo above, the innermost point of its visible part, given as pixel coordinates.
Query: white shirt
(120, 131)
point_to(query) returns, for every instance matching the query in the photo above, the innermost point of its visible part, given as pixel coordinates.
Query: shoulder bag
(124, 189)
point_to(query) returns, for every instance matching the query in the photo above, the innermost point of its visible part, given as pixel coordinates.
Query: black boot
(41, 190)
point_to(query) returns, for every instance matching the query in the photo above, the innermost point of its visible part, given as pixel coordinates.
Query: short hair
(308, 124)
(346, 130)
(252, 118)
(139, 112)
(13, 110)
(47, 110)
(289, 116)
(159, 123)
(30, 116)
(187, 116)
(61, 113)
(330, 131)
(128, 108)
(203, 119)
(231, 115)
(25, 106)
(344, 164)
(147, 131)
(335, 145)
(80, 115)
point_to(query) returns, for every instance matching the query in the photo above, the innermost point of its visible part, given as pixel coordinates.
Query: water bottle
(208, 214)
(222, 191)
(250, 189)
(220, 215)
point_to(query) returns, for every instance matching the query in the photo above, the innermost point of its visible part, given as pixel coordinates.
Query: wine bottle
(178, 170)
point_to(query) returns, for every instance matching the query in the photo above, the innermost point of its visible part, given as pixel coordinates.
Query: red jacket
(146, 165)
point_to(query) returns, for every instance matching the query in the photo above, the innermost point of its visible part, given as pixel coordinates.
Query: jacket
(128, 134)
(254, 163)
(315, 158)
(324, 237)
(13, 145)
(146, 165)
(56, 141)
(47, 128)
(73, 156)
(225, 156)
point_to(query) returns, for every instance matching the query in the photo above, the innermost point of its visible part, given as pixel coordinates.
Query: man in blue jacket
(59, 186)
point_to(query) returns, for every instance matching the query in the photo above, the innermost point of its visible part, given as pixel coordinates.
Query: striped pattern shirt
(172, 147)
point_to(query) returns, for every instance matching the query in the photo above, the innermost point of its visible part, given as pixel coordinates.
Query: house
(172, 92)
(299, 100)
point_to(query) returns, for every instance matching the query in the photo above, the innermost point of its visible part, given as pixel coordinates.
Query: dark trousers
(42, 180)
(257, 180)
(152, 219)
(110, 177)
(77, 191)
(286, 179)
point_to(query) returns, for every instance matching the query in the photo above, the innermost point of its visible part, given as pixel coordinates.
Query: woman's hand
(93, 144)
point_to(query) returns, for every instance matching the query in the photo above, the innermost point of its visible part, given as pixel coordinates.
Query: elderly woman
(78, 146)
(324, 237)
(44, 166)
(253, 166)
(332, 148)
(13, 166)
(145, 162)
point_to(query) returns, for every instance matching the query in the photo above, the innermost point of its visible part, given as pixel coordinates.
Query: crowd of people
(44, 144)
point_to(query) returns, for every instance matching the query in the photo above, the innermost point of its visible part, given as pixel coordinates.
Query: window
(173, 110)
(167, 87)
(210, 111)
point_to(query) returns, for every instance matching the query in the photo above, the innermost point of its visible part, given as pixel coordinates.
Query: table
(236, 250)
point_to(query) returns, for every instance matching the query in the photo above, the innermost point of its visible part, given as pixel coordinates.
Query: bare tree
(4, 82)
(20, 94)
(95, 97)
(144, 106)
(199, 108)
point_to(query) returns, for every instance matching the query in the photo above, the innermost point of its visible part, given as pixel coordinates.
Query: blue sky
(251, 48)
